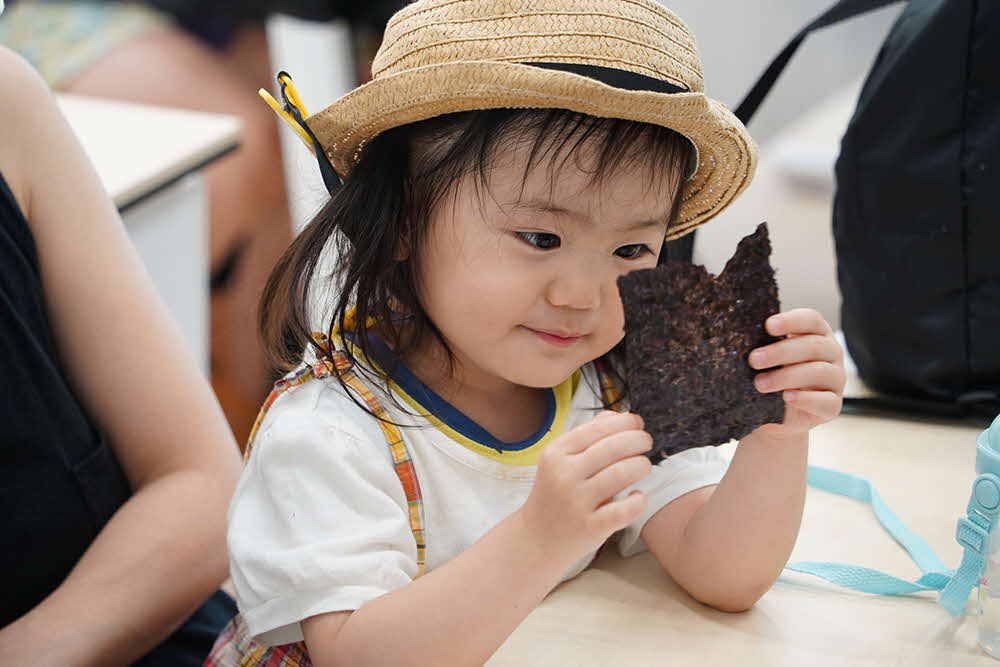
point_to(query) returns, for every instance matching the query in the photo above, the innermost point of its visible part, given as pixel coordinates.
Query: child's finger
(818, 375)
(614, 448)
(823, 404)
(619, 513)
(798, 322)
(582, 437)
(617, 477)
(810, 347)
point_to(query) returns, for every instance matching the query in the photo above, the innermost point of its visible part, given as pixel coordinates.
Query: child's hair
(387, 201)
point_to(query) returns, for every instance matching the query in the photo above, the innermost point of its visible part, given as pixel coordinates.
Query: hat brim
(727, 155)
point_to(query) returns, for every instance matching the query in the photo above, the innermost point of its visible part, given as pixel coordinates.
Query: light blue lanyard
(972, 533)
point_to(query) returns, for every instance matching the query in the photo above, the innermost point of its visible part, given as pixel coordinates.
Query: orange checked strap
(402, 463)
(610, 393)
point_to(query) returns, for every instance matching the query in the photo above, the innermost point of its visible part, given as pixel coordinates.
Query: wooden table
(628, 612)
(149, 160)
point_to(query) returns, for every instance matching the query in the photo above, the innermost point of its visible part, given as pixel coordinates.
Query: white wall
(737, 40)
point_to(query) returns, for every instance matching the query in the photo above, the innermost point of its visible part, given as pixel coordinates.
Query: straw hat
(629, 59)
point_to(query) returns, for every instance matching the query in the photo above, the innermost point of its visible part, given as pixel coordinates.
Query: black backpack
(916, 215)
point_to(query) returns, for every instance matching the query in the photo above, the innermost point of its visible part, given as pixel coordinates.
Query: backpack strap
(401, 459)
(839, 11)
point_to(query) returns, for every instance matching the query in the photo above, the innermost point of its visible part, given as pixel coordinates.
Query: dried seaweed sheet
(688, 335)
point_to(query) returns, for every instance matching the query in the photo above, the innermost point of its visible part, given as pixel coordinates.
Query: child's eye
(540, 240)
(633, 251)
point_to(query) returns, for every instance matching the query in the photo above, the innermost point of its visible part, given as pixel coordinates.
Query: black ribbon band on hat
(625, 80)
(331, 179)
(617, 78)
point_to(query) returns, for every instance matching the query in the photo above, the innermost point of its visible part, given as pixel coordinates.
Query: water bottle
(989, 580)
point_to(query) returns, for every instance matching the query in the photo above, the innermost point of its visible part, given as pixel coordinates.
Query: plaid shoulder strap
(235, 646)
(609, 387)
(402, 462)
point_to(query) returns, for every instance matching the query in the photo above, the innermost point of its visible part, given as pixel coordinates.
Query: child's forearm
(458, 614)
(738, 542)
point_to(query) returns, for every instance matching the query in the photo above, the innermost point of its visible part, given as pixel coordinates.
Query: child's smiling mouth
(559, 338)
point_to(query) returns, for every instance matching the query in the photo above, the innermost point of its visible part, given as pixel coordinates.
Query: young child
(442, 461)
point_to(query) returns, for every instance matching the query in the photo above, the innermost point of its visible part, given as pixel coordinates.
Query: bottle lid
(988, 450)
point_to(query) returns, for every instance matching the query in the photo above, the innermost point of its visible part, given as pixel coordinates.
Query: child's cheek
(612, 321)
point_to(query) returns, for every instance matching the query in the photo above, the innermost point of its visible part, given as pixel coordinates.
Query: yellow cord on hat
(293, 97)
(293, 111)
(285, 79)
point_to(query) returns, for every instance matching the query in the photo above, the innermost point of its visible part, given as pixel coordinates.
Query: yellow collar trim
(563, 394)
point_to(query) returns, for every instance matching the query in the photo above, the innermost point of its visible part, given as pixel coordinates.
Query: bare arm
(164, 551)
(461, 612)
(458, 614)
(726, 545)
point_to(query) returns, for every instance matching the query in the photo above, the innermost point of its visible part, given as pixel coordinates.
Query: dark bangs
(362, 249)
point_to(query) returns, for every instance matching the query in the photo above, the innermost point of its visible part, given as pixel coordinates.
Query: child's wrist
(542, 546)
(779, 436)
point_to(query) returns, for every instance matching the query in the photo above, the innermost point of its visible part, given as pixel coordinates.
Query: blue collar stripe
(448, 413)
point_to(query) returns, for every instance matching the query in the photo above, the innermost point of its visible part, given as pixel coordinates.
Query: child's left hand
(811, 374)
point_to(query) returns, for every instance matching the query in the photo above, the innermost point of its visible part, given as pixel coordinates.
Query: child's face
(526, 293)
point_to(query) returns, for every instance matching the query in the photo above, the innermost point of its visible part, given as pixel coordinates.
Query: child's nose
(578, 288)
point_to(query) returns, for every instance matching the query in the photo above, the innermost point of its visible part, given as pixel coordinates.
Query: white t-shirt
(319, 519)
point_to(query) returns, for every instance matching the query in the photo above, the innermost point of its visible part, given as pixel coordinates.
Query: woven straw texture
(443, 56)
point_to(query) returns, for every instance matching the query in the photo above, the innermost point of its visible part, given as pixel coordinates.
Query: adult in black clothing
(116, 463)
(207, 55)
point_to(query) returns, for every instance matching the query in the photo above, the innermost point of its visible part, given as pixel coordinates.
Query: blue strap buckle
(967, 531)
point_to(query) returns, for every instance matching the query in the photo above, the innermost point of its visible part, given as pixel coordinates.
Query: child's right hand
(570, 508)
